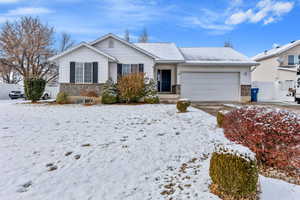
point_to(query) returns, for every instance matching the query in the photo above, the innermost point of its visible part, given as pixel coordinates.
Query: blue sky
(251, 25)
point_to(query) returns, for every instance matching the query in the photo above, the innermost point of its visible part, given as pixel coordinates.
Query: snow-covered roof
(165, 51)
(276, 51)
(215, 55)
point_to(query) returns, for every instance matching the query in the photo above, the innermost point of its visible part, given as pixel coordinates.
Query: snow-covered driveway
(105, 152)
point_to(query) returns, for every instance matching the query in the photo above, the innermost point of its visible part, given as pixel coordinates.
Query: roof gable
(124, 42)
(83, 44)
(276, 51)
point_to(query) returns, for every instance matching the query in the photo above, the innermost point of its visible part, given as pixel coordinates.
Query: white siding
(126, 55)
(82, 54)
(245, 74)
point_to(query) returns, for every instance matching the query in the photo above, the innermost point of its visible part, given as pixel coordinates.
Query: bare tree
(144, 36)
(127, 35)
(9, 75)
(228, 43)
(25, 46)
(66, 42)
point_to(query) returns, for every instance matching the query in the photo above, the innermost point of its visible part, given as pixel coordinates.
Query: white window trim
(92, 73)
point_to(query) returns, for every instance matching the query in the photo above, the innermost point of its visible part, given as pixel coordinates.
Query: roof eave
(168, 61)
(223, 63)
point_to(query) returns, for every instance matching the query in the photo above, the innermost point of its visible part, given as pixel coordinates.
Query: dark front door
(165, 80)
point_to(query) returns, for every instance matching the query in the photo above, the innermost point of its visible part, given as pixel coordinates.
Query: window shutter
(141, 67)
(119, 70)
(72, 72)
(95, 72)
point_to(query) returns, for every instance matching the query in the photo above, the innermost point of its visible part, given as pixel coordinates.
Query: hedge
(34, 88)
(233, 176)
(273, 134)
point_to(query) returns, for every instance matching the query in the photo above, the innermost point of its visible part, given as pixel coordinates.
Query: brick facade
(74, 89)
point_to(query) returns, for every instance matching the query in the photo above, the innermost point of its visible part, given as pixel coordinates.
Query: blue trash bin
(254, 92)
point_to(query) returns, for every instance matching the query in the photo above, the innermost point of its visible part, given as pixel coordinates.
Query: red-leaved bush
(274, 135)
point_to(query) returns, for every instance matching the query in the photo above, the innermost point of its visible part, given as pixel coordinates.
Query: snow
(273, 189)
(123, 152)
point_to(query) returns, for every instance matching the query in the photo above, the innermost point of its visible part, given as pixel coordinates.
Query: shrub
(151, 100)
(274, 135)
(34, 88)
(62, 98)
(234, 176)
(109, 94)
(88, 93)
(150, 93)
(131, 87)
(220, 117)
(182, 105)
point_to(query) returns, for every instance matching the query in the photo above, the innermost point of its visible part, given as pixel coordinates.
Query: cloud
(268, 11)
(28, 11)
(9, 1)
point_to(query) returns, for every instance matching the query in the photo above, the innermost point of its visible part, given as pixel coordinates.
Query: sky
(252, 26)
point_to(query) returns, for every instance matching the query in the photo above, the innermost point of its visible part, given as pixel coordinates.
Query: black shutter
(72, 72)
(119, 70)
(141, 67)
(95, 72)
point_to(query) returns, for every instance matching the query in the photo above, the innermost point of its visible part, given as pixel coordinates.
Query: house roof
(164, 51)
(215, 55)
(82, 44)
(124, 42)
(275, 51)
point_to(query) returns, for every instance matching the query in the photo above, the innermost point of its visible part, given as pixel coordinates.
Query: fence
(6, 88)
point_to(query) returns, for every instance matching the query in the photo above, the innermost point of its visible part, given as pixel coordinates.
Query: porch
(166, 76)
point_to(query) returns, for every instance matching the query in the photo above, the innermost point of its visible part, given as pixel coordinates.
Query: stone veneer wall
(176, 89)
(245, 93)
(74, 89)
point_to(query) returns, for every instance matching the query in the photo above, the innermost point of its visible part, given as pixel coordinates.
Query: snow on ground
(106, 152)
(274, 189)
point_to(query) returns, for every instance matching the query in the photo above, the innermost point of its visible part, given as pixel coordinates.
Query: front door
(164, 80)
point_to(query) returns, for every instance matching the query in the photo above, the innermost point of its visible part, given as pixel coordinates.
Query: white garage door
(210, 86)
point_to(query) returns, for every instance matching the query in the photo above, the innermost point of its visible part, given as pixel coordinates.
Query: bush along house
(198, 73)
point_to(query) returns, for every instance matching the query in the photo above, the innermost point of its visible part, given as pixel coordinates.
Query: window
(291, 60)
(126, 69)
(88, 72)
(83, 72)
(130, 68)
(78, 72)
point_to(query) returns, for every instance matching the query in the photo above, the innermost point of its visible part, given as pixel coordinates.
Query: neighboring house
(199, 74)
(277, 71)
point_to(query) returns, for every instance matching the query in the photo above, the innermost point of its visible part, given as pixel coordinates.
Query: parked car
(16, 95)
(19, 94)
(297, 95)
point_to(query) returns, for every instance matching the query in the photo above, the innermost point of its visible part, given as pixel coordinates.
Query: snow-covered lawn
(108, 152)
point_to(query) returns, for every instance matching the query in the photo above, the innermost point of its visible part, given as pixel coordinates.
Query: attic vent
(110, 43)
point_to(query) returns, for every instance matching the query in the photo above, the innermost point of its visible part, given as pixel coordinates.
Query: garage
(210, 86)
